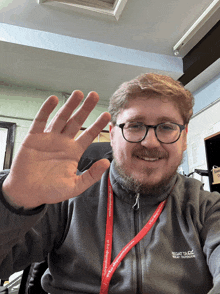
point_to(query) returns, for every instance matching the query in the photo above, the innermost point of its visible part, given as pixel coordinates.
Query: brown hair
(148, 86)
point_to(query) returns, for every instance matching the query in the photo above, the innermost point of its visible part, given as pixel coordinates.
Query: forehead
(150, 111)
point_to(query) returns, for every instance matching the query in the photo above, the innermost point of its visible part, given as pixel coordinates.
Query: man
(178, 247)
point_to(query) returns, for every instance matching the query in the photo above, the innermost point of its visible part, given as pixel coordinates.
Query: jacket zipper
(136, 207)
(137, 203)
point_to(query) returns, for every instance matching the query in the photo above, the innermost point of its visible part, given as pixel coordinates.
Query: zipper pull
(136, 205)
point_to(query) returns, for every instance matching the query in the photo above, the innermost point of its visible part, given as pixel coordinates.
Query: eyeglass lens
(166, 132)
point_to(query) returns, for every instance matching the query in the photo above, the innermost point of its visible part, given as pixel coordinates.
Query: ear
(111, 132)
(185, 138)
(110, 127)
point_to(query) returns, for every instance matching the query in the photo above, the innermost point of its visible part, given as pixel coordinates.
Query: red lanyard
(108, 268)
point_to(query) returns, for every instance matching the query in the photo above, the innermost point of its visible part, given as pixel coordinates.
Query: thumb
(94, 173)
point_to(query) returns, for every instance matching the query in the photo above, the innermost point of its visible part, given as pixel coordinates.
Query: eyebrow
(141, 118)
(168, 119)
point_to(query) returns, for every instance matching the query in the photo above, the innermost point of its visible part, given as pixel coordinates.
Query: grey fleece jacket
(180, 254)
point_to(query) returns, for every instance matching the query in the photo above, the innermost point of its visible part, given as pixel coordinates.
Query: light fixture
(199, 29)
(111, 9)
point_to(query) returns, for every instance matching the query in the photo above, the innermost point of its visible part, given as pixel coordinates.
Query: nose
(150, 141)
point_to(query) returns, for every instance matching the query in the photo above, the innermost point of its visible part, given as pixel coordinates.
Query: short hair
(148, 86)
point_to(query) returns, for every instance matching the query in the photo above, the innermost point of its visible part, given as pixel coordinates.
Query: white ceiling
(58, 49)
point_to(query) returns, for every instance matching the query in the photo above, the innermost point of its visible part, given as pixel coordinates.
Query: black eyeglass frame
(121, 126)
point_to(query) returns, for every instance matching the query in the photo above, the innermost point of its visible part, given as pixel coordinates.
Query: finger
(43, 114)
(75, 123)
(88, 136)
(60, 119)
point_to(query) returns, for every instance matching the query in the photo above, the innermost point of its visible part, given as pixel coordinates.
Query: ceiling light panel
(107, 8)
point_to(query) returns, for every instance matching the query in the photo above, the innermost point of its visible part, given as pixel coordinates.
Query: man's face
(149, 163)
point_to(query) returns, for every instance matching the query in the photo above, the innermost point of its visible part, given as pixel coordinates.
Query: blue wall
(207, 94)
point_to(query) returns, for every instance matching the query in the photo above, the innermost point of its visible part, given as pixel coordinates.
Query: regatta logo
(183, 254)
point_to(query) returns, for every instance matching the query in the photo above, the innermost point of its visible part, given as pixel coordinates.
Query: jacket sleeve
(27, 236)
(211, 239)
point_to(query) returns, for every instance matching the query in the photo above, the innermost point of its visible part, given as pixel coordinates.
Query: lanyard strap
(108, 268)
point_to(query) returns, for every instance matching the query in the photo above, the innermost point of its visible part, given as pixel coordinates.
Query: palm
(45, 168)
(49, 164)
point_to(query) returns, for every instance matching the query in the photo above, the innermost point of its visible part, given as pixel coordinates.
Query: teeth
(149, 159)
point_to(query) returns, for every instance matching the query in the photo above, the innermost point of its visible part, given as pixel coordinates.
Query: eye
(134, 126)
(166, 127)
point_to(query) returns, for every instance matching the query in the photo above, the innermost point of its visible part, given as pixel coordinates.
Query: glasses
(166, 133)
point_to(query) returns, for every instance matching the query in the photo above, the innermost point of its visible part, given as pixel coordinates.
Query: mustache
(151, 153)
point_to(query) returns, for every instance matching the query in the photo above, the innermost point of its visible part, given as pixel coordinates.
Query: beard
(140, 186)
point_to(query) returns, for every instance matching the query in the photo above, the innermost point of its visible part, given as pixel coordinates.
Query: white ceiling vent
(107, 8)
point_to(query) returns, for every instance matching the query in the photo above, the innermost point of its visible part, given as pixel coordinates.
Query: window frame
(11, 127)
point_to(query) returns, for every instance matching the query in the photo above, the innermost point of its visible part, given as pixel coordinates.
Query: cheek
(122, 150)
(176, 155)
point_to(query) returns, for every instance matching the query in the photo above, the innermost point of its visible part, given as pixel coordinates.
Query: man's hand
(44, 170)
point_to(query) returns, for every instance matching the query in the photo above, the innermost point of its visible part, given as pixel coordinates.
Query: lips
(150, 155)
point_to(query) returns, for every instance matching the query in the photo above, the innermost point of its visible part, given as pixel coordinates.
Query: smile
(148, 158)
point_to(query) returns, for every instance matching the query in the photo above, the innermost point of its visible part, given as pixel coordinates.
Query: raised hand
(44, 170)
